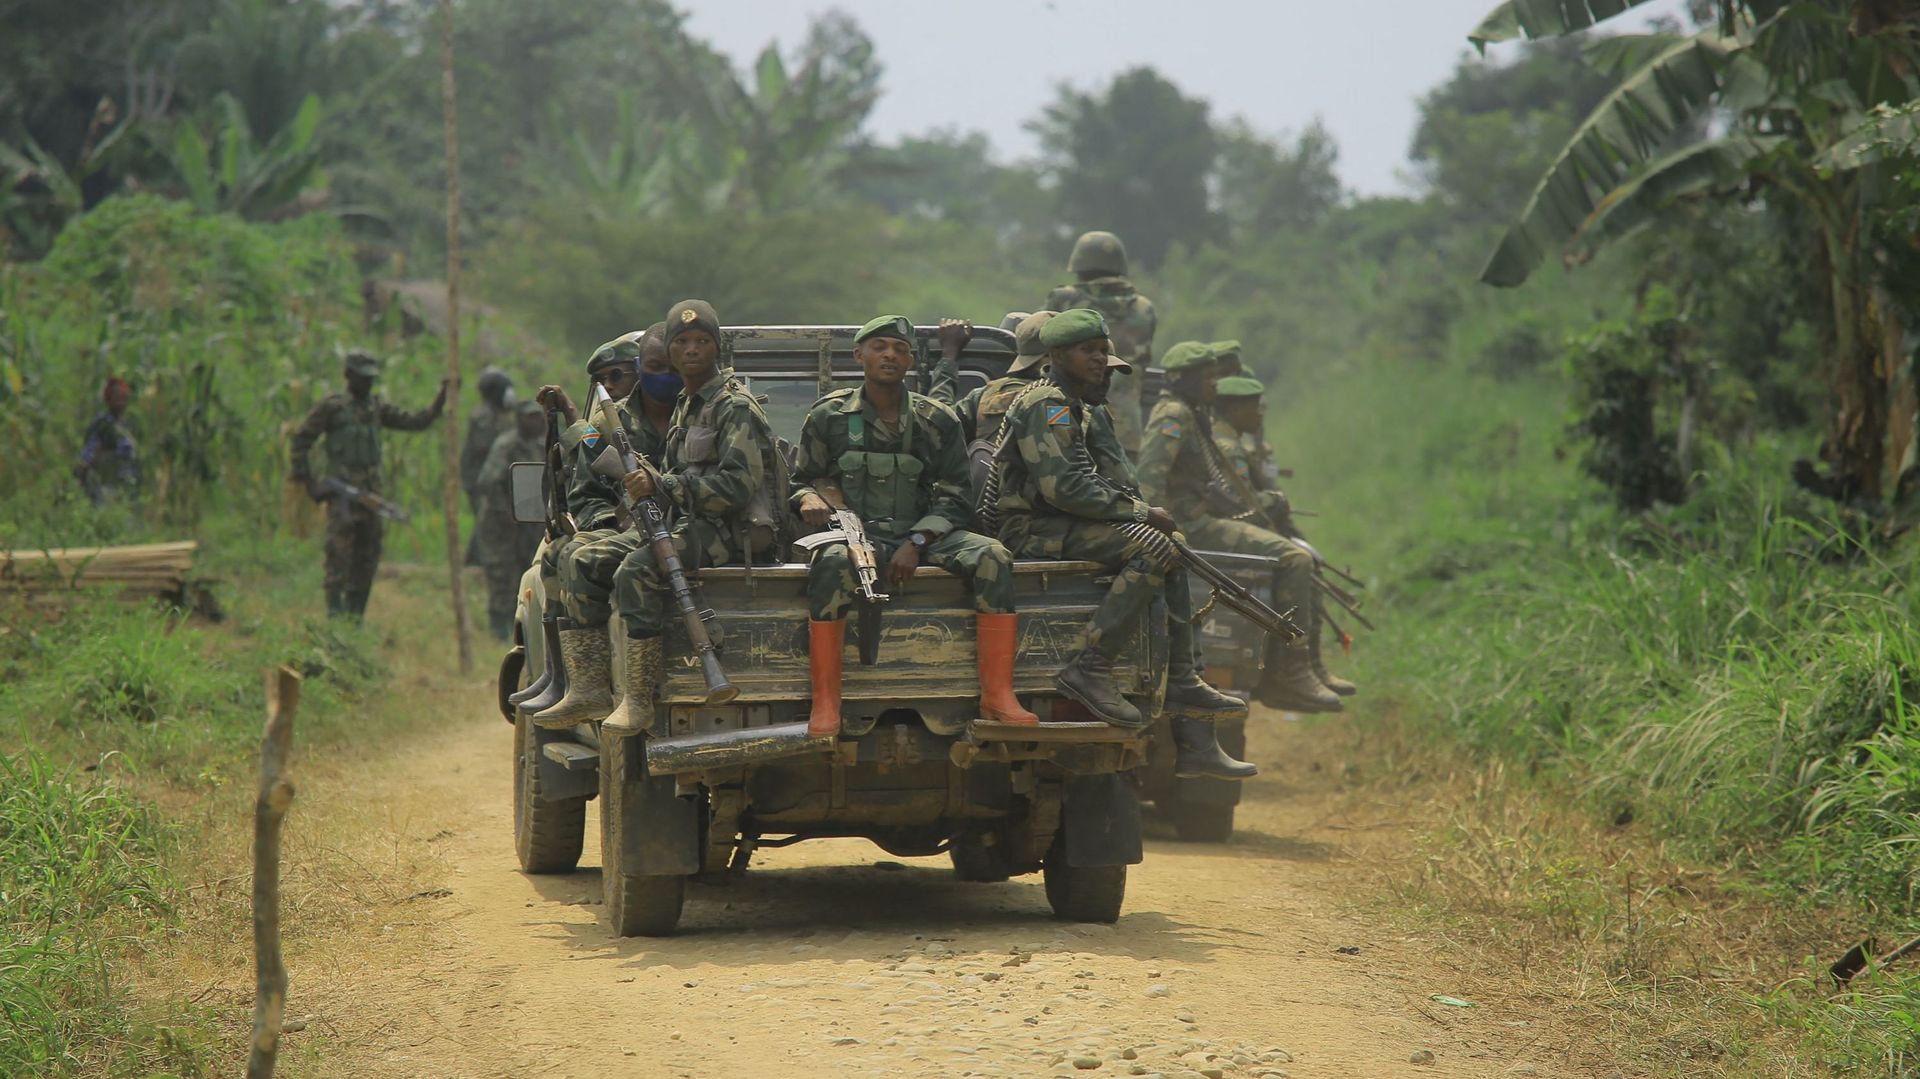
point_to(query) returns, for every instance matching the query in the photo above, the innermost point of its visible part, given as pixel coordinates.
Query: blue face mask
(661, 386)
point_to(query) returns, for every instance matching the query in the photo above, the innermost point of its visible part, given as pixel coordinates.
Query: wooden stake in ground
(455, 570)
(269, 812)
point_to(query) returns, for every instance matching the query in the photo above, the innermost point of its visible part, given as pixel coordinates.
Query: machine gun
(846, 527)
(1169, 548)
(336, 488)
(616, 461)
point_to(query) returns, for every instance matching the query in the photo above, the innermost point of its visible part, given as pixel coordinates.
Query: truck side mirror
(527, 486)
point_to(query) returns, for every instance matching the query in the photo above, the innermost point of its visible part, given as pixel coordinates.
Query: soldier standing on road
(1241, 440)
(1099, 262)
(350, 424)
(1178, 462)
(715, 477)
(109, 464)
(1069, 492)
(508, 544)
(899, 460)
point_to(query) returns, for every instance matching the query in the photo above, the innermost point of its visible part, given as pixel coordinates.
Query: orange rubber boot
(994, 636)
(826, 643)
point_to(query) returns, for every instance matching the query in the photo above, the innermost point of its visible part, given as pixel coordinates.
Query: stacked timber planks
(151, 569)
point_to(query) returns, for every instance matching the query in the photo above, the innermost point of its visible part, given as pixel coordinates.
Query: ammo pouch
(888, 485)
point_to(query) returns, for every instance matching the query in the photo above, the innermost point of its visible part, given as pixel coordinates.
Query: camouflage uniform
(1101, 261)
(484, 427)
(109, 465)
(507, 544)
(601, 544)
(351, 429)
(900, 479)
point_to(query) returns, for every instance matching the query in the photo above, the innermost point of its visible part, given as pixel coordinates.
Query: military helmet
(1098, 254)
(494, 384)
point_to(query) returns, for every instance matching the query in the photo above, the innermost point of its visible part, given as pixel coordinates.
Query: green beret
(622, 349)
(1224, 349)
(1074, 326)
(899, 326)
(1241, 386)
(692, 315)
(1185, 355)
(1029, 351)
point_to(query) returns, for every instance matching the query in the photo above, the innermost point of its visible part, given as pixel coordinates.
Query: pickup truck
(914, 770)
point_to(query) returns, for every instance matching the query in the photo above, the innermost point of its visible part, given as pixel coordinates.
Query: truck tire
(547, 835)
(1201, 822)
(637, 905)
(1082, 893)
(979, 861)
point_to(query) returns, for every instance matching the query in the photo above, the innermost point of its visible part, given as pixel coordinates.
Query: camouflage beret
(1241, 386)
(1185, 355)
(622, 349)
(361, 362)
(1072, 327)
(1029, 350)
(1224, 349)
(899, 326)
(692, 315)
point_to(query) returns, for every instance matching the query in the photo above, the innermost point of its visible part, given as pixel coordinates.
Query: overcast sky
(989, 65)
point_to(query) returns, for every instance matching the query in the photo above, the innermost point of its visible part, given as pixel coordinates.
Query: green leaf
(1629, 125)
(770, 77)
(191, 164)
(1702, 167)
(1544, 18)
(305, 123)
(1888, 134)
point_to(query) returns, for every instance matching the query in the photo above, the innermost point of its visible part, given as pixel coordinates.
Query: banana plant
(238, 174)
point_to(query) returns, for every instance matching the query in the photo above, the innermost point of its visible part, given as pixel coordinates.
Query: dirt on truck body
(913, 770)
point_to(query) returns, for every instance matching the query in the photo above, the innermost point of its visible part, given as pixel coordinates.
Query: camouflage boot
(1088, 678)
(1334, 682)
(586, 655)
(634, 713)
(1200, 755)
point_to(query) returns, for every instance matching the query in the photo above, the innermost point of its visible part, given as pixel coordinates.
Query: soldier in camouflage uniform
(492, 419)
(1099, 262)
(716, 475)
(591, 498)
(1241, 439)
(109, 464)
(1178, 462)
(507, 544)
(898, 460)
(1067, 491)
(350, 423)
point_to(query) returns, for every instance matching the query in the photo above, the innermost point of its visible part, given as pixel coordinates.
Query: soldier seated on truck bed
(1068, 492)
(714, 475)
(898, 460)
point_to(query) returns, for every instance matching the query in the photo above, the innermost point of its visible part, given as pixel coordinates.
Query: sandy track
(833, 958)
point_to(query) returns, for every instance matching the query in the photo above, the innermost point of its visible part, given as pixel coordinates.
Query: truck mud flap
(566, 766)
(729, 749)
(660, 831)
(1101, 819)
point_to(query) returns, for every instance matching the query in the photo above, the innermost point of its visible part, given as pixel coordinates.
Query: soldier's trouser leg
(831, 584)
(1289, 681)
(337, 552)
(367, 531)
(640, 584)
(547, 690)
(587, 576)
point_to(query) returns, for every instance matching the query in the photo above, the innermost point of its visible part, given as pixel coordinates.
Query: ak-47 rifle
(616, 461)
(340, 489)
(560, 522)
(1339, 595)
(846, 527)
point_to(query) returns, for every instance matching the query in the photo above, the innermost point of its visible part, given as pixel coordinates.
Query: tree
(1794, 81)
(1266, 186)
(1133, 159)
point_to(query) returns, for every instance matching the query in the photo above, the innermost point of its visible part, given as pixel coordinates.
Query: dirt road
(834, 959)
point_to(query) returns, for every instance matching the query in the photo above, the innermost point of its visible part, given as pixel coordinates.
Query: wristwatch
(919, 540)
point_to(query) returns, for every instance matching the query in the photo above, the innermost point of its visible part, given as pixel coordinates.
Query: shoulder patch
(1059, 416)
(591, 436)
(1172, 428)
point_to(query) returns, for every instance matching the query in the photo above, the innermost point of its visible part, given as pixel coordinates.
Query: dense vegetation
(1572, 497)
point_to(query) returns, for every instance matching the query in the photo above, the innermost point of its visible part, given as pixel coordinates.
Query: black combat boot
(1188, 694)
(1088, 679)
(550, 639)
(336, 603)
(1334, 682)
(556, 686)
(357, 604)
(1200, 755)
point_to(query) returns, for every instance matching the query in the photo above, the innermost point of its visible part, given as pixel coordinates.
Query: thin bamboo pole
(269, 813)
(455, 570)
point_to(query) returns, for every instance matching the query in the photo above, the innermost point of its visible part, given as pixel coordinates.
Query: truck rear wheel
(547, 835)
(1082, 893)
(637, 905)
(1201, 822)
(980, 857)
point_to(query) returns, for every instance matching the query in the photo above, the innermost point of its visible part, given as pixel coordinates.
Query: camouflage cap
(1187, 355)
(1072, 327)
(361, 362)
(692, 315)
(899, 326)
(1026, 335)
(1098, 253)
(1011, 320)
(1241, 386)
(622, 349)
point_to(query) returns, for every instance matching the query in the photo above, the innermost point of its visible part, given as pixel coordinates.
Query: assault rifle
(340, 490)
(560, 523)
(1236, 595)
(846, 527)
(651, 519)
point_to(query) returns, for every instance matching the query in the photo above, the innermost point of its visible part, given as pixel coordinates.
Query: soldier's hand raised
(1160, 519)
(552, 397)
(814, 509)
(901, 566)
(955, 333)
(639, 484)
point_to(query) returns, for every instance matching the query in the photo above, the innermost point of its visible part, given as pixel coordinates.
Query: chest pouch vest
(353, 439)
(883, 488)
